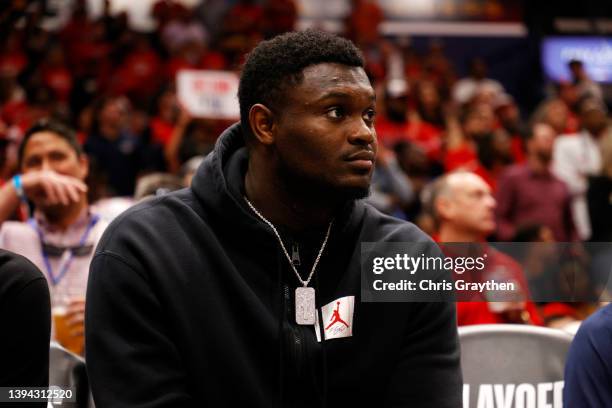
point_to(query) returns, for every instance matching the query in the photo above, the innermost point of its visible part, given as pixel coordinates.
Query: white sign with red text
(209, 94)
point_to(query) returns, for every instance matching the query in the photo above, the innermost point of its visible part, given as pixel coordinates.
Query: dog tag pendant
(305, 309)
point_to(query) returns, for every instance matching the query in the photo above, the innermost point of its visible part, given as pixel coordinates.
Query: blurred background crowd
(542, 148)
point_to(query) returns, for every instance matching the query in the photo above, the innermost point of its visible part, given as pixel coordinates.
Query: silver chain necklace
(305, 307)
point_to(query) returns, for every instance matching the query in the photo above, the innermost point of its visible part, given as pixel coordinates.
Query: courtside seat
(512, 365)
(67, 371)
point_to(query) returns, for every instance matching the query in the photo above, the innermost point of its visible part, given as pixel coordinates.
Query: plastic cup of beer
(62, 331)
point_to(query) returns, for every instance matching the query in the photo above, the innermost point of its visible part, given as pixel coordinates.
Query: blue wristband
(19, 187)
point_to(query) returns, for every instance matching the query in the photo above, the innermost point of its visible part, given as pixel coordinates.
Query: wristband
(19, 187)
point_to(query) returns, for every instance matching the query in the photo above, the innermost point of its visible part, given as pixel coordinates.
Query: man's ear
(443, 207)
(262, 123)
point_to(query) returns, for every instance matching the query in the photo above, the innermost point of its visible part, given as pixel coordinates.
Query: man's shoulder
(515, 171)
(599, 324)
(101, 224)
(379, 227)
(15, 233)
(592, 344)
(16, 272)
(149, 218)
(568, 141)
(17, 227)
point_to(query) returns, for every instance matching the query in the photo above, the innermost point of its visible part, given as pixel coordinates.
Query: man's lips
(367, 155)
(363, 160)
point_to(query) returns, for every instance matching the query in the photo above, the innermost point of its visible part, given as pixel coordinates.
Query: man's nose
(362, 133)
(45, 164)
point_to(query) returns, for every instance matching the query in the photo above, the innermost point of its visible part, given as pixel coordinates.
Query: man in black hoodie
(244, 290)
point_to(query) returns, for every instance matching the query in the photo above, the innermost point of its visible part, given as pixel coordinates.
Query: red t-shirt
(140, 71)
(82, 54)
(13, 63)
(422, 134)
(573, 123)
(470, 313)
(176, 64)
(13, 112)
(245, 18)
(213, 60)
(462, 157)
(489, 176)
(482, 312)
(499, 267)
(161, 130)
(364, 21)
(517, 148)
(59, 80)
(465, 157)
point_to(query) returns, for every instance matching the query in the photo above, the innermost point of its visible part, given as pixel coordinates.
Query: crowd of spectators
(549, 170)
(116, 85)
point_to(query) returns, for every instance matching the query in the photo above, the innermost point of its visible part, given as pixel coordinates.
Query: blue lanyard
(65, 261)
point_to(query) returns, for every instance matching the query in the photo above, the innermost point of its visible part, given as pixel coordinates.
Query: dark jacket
(25, 316)
(599, 198)
(588, 370)
(190, 303)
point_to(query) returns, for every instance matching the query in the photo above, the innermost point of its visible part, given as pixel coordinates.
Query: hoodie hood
(219, 182)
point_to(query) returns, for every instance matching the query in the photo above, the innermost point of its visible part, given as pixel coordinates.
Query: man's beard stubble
(303, 185)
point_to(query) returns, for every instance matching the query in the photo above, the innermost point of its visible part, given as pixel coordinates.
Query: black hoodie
(190, 304)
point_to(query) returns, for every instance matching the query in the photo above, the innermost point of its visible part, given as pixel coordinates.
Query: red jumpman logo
(336, 317)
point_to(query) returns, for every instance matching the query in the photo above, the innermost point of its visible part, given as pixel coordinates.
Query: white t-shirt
(575, 158)
(23, 238)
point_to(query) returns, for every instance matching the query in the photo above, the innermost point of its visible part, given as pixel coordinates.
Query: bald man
(463, 207)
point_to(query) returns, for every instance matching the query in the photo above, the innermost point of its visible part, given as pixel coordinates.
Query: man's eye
(335, 113)
(370, 115)
(478, 194)
(56, 156)
(32, 162)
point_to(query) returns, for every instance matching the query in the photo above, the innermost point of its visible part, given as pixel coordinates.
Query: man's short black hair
(55, 127)
(279, 62)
